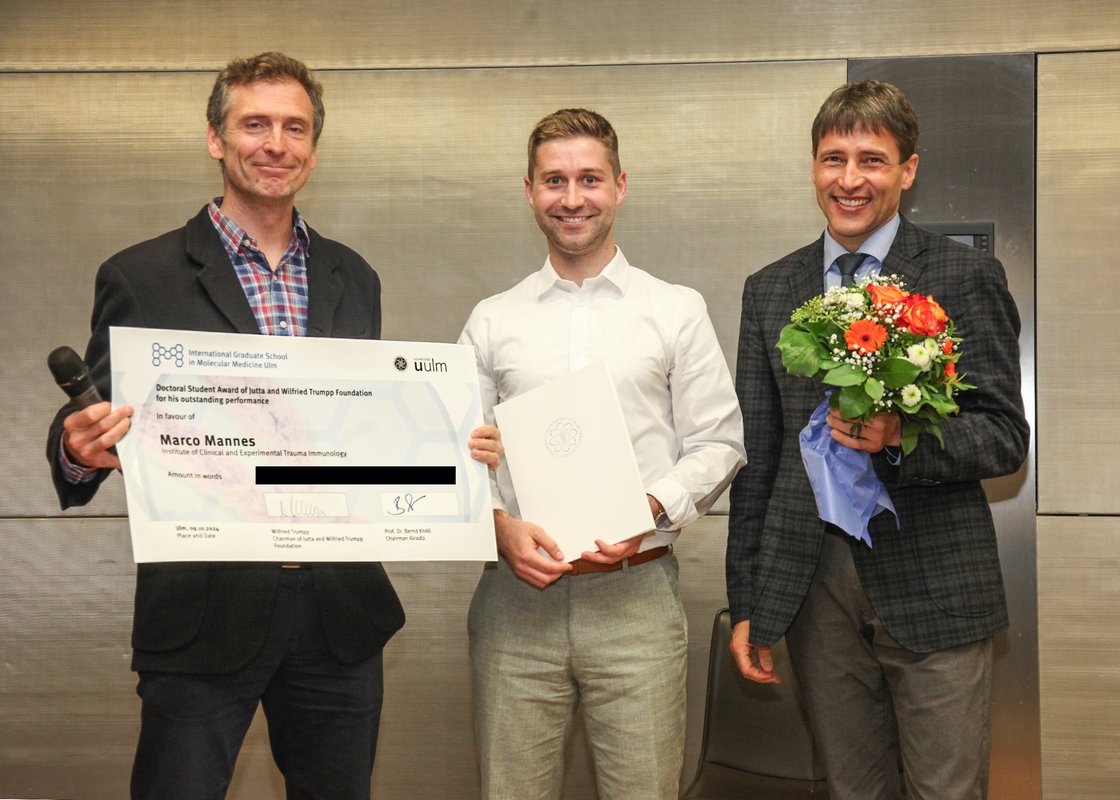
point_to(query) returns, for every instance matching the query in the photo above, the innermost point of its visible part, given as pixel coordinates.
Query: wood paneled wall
(101, 142)
(1078, 456)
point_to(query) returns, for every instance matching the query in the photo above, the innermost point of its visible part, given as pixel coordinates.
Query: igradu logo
(420, 364)
(174, 354)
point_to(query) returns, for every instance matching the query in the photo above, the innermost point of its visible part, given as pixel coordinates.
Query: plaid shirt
(278, 298)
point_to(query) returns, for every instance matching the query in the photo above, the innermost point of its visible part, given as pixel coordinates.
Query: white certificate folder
(572, 463)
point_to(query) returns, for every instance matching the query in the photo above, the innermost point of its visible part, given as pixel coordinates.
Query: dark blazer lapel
(807, 280)
(902, 258)
(216, 274)
(324, 288)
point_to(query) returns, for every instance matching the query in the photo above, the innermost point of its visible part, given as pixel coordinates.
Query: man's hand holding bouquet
(881, 349)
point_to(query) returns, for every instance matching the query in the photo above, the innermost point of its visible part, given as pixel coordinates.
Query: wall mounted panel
(165, 34)
(1078, 292)
(976, 148)
(68, 708)
(1078, 556)
(418, 171)
(69, 713)
(92, 163)
(1079, 650)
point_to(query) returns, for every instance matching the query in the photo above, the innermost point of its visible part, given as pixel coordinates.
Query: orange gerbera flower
(866, 336)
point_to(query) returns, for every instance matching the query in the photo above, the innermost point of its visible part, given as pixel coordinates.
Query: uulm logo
(429, 365)
(401, 363)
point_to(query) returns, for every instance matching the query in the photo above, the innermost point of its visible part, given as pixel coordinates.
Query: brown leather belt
(581, 566)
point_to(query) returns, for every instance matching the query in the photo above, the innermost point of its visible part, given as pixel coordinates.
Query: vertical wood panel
(1078, 556)
(68, 711)
(1078, 290)
(1079, 655)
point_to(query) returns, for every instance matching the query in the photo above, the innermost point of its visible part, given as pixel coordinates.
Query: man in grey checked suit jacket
(892, 643)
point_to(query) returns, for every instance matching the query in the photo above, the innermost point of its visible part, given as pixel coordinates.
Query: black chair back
(757, 744)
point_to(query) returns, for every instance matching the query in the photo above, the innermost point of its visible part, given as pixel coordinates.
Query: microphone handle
(87, 398)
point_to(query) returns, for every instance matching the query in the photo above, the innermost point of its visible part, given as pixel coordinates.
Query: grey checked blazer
(935, 581)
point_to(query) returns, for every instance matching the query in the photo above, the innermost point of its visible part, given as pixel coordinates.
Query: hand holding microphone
(72, 376)
(91, 432)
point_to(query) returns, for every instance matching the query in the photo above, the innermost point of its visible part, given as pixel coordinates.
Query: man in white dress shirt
(605, 631)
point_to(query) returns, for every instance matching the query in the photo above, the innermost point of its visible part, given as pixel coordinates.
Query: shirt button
(283, 324)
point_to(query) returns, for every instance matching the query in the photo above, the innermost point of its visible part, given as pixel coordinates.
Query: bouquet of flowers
(882, 348)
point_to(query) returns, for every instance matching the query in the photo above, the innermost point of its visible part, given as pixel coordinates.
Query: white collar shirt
(875, 247)
(657, 339)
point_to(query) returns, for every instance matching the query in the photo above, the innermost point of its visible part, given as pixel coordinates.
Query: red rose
(886, 295)
(922, 315)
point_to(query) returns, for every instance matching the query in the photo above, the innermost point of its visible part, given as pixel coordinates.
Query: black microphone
(72, 376)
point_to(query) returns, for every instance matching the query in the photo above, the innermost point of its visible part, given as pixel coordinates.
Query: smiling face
(574, 192)
(860, 177)
(266, 148)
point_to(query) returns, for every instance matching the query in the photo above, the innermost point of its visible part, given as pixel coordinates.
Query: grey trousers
(612, 643)
(873, 703)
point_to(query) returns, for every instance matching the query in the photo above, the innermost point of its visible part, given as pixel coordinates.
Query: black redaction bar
(356, 476)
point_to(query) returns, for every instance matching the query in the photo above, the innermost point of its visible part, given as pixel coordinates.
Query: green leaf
(854, 403)
(801, 352)
(845, 375)
(897, 372)
(910, 431)
(942, 404)
(874, 389)
(928, 415)
(821, 328)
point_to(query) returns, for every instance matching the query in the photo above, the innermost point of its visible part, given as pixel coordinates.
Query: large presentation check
(277, 448)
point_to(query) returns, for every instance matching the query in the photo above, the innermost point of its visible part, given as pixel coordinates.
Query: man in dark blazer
(892, 644)
(211, 640)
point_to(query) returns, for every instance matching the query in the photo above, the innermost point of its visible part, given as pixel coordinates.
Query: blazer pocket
(959, 557)
(169, 605)
(359, 608)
